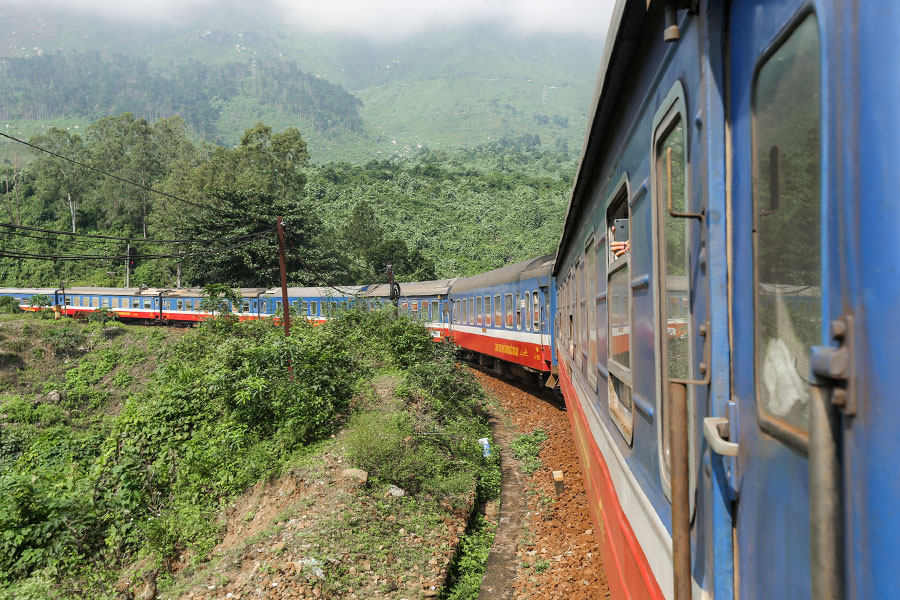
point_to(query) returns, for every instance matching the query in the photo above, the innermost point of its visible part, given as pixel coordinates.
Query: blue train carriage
(426, 300)
(23, 295)
(729, 377)
(505, 316)
(316, 304)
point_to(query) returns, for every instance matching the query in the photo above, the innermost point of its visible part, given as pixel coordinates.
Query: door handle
(712, 431)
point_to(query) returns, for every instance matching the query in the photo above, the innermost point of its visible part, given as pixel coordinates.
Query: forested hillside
(435, 214)
(89, 86)
(354, 98)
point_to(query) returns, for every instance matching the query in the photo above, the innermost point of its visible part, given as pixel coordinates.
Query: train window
(314, 308)
(788, 253)
(488, 317)
(590, 258)
(672, 232)
(77, 300)
(95, 301)
(471, 311)
(536, 310)
(479, 308)
(179, 304)
(279, 308)
(435, 311)
(578, 309)
(524, 310)
(518, 310)
(508, 305)
(415, 307)
(498, 311)
(332, 307)
(618, 302)
(146, 302)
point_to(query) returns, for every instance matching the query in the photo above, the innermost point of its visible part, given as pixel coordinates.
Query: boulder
(357, 475)
(56, 396)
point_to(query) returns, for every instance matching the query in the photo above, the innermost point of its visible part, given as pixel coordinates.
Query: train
(722, 312)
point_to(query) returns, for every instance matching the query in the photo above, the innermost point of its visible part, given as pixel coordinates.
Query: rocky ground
(556, 553)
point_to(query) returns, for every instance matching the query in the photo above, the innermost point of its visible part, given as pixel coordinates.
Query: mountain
(353, 98)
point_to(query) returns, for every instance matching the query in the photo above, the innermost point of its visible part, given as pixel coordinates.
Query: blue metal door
(778, 276)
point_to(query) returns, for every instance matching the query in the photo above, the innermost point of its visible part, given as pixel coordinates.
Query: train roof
(438, 287)
(32, 291)
(622, 39)
(527, 269)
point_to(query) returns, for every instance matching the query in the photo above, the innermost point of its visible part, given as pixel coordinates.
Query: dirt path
(544, 547)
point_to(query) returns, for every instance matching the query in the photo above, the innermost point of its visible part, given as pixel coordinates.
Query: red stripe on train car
(522, 353)
(627, 570)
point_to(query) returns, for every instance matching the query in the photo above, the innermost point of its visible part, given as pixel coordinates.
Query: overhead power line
(134, 240)
(108, 174)
(81, 257)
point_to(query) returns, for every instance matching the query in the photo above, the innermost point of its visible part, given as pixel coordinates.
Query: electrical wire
(76, 257)
(121, 239)
(108, 174)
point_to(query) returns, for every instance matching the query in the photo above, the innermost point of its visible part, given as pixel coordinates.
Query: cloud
(140, 11)
(406, 17)
(372, 18)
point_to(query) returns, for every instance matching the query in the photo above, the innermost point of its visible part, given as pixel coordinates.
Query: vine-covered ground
(143, 462)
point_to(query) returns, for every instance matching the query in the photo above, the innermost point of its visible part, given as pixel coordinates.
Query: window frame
(517, 312)
(593, 345)
(780, 429)
(618, 412)
(670, 110)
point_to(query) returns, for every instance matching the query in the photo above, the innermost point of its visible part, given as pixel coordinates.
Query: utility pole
(393, 288)
(282, 263)
(128, 264)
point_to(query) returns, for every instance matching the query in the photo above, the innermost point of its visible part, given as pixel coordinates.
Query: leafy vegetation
(526, 448)
(104, 465)
(434, 215)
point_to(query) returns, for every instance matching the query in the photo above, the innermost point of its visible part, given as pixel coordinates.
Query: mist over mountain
(354, 97)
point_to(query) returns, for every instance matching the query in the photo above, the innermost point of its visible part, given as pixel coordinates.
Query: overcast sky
(374, 18)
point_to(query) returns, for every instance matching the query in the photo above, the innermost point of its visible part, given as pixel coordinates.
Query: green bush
(39, 301)
(102, 315)
(21, 410)
(8, 304)
(65, 341)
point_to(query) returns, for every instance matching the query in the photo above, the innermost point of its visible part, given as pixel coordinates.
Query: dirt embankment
(556, 554)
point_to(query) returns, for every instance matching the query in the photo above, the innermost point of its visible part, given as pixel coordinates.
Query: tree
(253, 261)
(57, 178)
(216, 297)
(125, 146)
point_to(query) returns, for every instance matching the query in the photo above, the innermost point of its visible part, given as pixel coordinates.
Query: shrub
(8, 304)
(102, 315)
(39, 301)
(65, 341)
